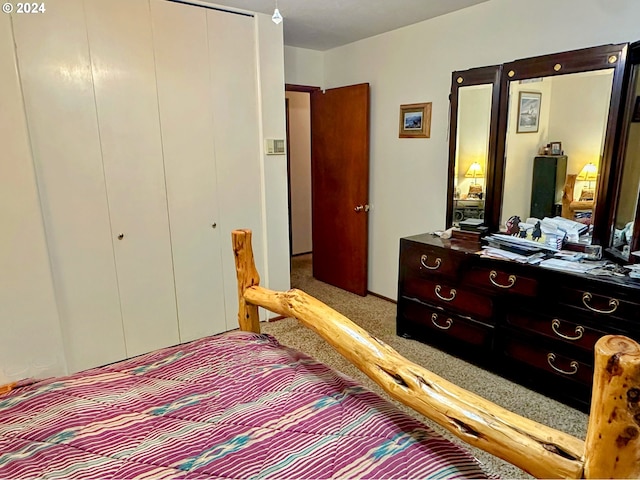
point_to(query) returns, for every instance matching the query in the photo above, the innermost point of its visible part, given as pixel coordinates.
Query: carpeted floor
(378, 317)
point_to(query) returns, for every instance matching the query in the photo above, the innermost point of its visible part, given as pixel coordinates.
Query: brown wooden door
(340, 186)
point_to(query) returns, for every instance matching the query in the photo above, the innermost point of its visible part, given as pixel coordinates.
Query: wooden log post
(612, 446)
(247, 276)
(535, 448)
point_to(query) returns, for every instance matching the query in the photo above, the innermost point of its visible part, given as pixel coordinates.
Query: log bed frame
(612, 445)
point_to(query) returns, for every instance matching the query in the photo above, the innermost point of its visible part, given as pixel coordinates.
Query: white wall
(272, 110)
(300, 171)
(30, 336)
(414, 64)
(303, 67)
(578, 118)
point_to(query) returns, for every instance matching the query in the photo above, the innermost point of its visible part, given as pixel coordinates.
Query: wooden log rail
(612, 446)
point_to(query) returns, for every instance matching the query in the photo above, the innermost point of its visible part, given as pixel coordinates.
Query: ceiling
(326, 24)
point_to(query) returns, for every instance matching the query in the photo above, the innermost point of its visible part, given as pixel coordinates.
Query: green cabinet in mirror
(472, 140)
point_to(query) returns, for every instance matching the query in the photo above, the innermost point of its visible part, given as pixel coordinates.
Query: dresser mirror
(559, 110)
(475, 97)
(569, 102)
(626, 227)
(569, 113)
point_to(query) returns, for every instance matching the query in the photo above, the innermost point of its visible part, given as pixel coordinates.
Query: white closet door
(31, 340)
(232, 53)
(184, 93)
(121, 46)
(53, 57)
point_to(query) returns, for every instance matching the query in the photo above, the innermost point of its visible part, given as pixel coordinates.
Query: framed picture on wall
(415, 120)
(528, 112)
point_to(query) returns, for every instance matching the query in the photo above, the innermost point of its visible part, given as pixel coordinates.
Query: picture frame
(528, 112)
(415, 120)
(555, 148)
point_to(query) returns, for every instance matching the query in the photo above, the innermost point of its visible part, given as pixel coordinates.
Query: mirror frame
(631, 76)
(490, 75)
(575, 61)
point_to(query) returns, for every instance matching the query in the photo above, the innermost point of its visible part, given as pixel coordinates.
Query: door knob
(121, 236)
(214, 225)
(362, 208)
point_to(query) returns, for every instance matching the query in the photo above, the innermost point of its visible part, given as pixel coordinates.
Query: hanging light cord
(277, 18)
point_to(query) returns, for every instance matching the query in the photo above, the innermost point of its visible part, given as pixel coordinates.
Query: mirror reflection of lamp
(589, 173)
(474, 171)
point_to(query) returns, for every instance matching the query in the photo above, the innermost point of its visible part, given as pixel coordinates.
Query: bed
(240, 405)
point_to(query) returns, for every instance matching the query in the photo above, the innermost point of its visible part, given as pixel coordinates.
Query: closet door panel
(31, 336)
(182, 69)
(120, 40)
(232, 53)
(53, 58)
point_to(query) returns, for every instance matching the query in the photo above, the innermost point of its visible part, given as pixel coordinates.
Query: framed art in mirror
(529, 111)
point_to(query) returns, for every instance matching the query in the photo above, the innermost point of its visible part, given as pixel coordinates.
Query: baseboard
(382, 297)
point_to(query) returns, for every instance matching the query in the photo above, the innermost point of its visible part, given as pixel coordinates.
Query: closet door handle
(121, 236)
(448, 322)
(555, 325)
(452, 293)
(551, 358)
(493, 274)
(613, 302)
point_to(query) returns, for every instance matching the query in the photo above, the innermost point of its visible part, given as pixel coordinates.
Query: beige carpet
(378, 317)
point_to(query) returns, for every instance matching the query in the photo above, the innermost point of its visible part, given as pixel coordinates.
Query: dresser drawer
(453, 298)
(428, 261)
(543, 358)
(603, 304)
(555, 327)
(501, 281)
(432, 319)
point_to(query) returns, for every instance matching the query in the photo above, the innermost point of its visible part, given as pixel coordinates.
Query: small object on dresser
(466, 235)
(473, 225)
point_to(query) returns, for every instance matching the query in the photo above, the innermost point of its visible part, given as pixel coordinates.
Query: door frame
(308, 89)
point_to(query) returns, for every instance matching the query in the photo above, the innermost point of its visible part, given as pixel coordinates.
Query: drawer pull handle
(613, 302)
(448, 321)
(423, 261)
(555, 325)
(453, 294)
(493, 274)
(551, 357)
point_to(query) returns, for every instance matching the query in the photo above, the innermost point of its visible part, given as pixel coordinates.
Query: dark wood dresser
(533, 325)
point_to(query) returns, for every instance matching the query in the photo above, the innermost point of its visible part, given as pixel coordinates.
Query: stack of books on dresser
(471, 229)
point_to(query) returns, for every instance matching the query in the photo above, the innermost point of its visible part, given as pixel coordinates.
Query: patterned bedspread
(238, 405)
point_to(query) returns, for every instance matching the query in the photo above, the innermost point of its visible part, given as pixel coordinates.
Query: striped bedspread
(238, 405)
